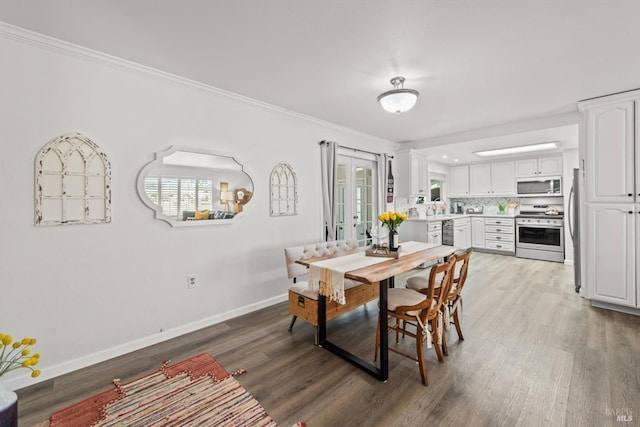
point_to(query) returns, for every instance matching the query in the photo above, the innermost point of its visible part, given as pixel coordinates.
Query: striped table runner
(327, 276)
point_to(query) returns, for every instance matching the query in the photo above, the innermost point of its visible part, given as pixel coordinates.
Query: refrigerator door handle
(570, 212)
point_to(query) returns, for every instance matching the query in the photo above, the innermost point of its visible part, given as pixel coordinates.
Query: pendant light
(398, 100)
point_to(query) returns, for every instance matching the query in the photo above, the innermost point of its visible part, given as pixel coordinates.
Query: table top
(392, 266)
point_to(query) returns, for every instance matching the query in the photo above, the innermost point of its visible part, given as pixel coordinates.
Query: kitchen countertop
(455, 216)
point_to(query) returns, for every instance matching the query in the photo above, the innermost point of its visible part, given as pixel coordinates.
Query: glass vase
(8, 406)
(393, 239)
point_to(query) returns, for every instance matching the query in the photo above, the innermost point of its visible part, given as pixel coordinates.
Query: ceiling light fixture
(516, 150)
(398, 100)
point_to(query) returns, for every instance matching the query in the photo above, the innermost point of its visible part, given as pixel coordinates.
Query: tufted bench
(303, 302)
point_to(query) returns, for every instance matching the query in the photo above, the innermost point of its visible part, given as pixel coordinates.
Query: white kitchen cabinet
(411, 172)
(610, 152)
(434, 232)
(539, 166)
(420, 176)
(421, 231)
(415, 231)
(611, 200)
(459, 181)
(480, 179)
(492, 179)
(503, 182)
(462, 233)
(499, 234)
(611, 252)
(477, 232)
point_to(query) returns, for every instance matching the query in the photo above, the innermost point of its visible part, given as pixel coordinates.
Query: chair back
(435, 301)
(462, 261)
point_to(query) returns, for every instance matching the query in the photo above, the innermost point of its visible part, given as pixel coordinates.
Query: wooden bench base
(307, 308)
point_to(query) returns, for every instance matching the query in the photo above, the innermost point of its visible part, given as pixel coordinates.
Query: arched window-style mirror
(192, 187)
(284, 190)
(73, 182)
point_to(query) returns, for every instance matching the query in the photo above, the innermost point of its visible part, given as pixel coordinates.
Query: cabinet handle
(630, 212)
(498, 246)
(498, 238)
(498, 230)
(629, 194)
(498, 222)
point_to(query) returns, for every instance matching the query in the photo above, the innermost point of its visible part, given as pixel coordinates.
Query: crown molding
(32, 38)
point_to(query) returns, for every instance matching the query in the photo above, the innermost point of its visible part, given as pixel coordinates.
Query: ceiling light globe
(398, 100)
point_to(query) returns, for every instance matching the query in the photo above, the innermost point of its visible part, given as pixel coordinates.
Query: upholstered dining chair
(419, 310)
(452, 307)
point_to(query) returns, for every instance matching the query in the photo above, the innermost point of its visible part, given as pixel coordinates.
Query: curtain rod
(356, 149)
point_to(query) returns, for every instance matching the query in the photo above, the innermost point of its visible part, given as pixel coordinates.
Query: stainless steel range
(540, 230)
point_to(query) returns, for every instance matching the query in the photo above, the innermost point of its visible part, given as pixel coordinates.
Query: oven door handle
(539, 226)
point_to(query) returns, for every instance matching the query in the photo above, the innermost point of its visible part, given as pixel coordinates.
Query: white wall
(436, 167)
(90, 292)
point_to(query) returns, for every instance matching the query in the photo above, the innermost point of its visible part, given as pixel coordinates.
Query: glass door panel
(357, 203)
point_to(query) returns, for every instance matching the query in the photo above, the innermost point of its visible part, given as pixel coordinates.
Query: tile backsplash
(489, 205)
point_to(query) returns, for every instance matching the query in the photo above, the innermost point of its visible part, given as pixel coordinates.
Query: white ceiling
(565, 137)
(475, 63)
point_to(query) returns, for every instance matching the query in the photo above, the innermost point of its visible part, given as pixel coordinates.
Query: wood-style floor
(534, 354)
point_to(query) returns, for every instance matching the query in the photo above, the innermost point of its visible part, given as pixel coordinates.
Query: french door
(357, 198)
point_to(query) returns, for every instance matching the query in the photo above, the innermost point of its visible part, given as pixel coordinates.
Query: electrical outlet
(192, 281)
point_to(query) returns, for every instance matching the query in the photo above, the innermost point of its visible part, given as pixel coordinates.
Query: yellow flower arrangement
(14, 355)
(392, 219)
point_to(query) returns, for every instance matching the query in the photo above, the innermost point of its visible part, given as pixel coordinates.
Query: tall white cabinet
(411, 172)
(610, 151)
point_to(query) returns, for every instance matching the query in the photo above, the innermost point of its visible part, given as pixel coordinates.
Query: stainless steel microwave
(549, 186)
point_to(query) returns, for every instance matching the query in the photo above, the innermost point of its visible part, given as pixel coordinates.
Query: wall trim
(54, 371)
(32, 38)
(615, 307)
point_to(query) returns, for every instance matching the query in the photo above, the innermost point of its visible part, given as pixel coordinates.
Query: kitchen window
(436, 187)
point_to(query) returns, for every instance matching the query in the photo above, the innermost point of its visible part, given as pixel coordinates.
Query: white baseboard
(20, 381)
(614, 307)
(568, 261)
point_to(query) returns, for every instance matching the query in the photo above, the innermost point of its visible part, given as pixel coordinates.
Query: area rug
(197, 391)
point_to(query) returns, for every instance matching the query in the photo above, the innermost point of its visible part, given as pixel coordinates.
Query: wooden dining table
(382, 273)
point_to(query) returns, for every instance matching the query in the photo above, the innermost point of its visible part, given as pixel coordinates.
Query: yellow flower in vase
(15, 355)
(392, 219)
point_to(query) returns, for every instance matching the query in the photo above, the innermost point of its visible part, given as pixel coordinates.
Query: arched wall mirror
(192, 187)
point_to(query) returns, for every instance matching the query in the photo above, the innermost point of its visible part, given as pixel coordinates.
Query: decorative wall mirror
(187, 187)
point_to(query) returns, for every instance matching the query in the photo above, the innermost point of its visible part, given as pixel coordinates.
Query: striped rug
(197, 391)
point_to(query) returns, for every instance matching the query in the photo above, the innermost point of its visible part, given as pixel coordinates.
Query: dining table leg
(382, 372)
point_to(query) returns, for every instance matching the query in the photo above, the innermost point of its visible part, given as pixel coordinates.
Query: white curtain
(328, 150)
(383, 160)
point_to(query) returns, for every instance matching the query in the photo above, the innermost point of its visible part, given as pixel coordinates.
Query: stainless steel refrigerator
(574, 225)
